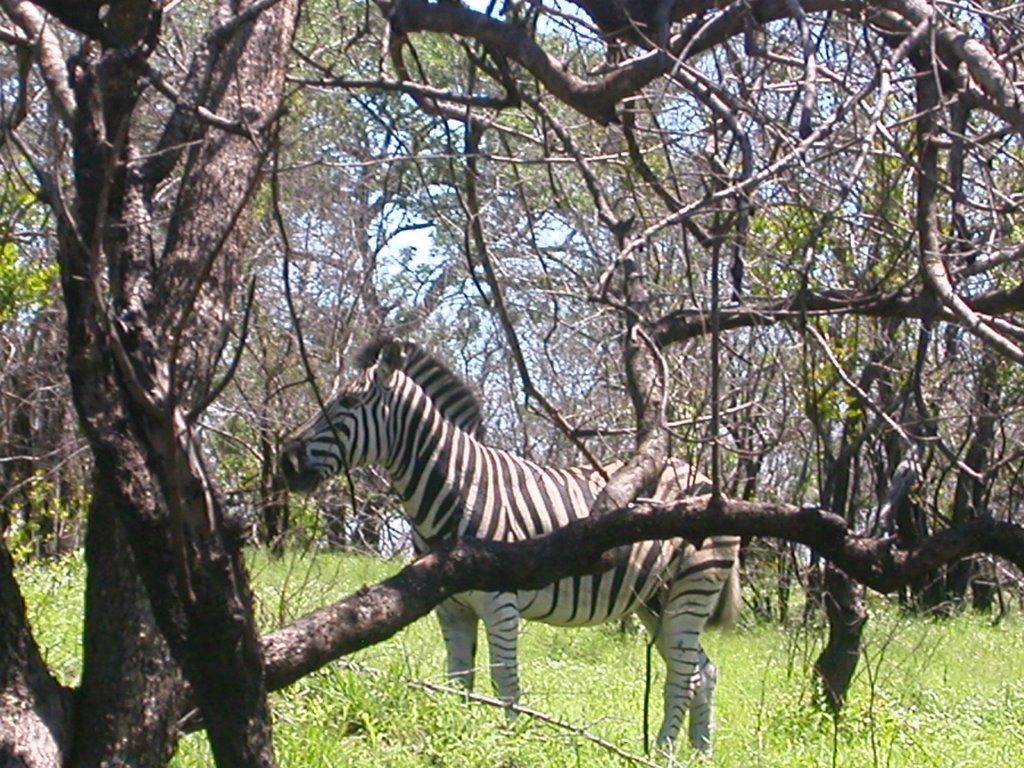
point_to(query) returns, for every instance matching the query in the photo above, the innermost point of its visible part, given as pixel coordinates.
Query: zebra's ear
(390, 359)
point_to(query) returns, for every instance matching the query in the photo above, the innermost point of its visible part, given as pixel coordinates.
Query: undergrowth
(928, 692)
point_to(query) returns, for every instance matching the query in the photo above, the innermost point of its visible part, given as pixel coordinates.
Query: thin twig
(479, 244)
(282, 227)
(519, 709)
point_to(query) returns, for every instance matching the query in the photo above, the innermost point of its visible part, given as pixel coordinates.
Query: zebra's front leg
(458, 628)
(500, 614)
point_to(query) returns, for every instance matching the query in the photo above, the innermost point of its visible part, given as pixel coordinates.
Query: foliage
(54, 592)
(25, 280)
(52, 518)
(23, 287)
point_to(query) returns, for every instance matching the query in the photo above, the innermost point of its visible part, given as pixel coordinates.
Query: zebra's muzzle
(293, 467)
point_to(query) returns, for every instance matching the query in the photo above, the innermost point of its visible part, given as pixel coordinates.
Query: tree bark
(141, 354)
(970, 497)
(131, 691)
(273, 497)
(35, 711)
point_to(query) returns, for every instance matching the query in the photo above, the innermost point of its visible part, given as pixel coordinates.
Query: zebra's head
(353, 428)
(348, 431)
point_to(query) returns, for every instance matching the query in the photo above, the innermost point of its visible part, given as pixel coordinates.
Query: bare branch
(476, 246)
(984, 67)
(48, 53)
(688, 323)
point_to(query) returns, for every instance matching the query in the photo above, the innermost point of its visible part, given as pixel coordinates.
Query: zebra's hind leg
(690, 600)
(702, 721)
(682, 695)
(682, 677)
(458, 628)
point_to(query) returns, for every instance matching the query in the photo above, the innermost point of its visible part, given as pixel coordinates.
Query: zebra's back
(529, 500)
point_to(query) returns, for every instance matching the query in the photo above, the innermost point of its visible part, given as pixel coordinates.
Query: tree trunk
(983, 595)
(928, 592)
(141, 360)
(970, 498)
(35, 721)
(131, 689)
(844, 606)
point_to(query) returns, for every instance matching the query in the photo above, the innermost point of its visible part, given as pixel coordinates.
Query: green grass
(927, 693)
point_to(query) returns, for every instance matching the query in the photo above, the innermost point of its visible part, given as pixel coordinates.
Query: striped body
(410, 415)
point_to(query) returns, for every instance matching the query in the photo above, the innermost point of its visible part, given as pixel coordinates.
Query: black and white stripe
(408, 413)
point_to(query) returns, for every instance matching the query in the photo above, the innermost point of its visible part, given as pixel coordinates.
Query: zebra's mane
(449, 393)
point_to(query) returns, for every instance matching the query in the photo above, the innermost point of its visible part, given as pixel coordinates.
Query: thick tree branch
(646, 381)
(80, 15)
(688, 323)
(644, 25)
(47, 53)
(377, 612)
(594, 96)
(933, 261)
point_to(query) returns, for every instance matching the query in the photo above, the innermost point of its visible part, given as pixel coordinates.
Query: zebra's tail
(730, 599)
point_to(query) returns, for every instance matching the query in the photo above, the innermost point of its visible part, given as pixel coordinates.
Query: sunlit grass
(927, 693)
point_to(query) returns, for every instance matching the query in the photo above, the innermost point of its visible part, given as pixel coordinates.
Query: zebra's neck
(432, 464)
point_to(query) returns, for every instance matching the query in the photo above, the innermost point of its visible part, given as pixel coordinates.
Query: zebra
(408, 413)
